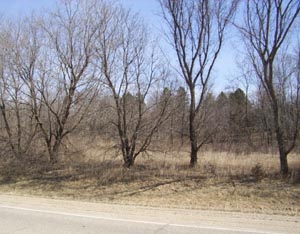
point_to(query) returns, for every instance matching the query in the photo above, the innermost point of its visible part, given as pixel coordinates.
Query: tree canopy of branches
(17, 58)
(92, 70)
(66, 86)
(47, 76)
(130, 68)
(196, 32)
(266, 28)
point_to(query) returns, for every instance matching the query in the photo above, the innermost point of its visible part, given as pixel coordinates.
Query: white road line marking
(137, 221)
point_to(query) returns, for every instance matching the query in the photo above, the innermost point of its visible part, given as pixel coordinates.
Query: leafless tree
(130, 70)
(18, 57)
(64, 88)
(266, 27)
(197, 29)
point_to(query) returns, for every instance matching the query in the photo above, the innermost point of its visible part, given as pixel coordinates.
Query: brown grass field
(221, 181)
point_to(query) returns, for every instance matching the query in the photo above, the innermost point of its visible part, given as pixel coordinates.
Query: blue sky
(149, 10)
(226, 65)
(20, 7)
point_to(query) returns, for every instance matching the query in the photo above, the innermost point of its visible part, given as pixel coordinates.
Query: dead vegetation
(222, 181)
(106, 117)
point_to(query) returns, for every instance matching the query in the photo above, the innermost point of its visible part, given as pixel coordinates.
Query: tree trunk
(284, 169)
(193, 137)
(128, 153)
(53, 157)
(128, 160)
(194, 156)
(53, 152)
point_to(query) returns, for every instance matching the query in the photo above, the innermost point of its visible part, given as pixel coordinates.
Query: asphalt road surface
(29, 215)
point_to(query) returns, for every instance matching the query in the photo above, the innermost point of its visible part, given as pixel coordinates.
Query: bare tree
(266, 27)
(18, 57)
(197, 29)
(130, 69)
(64, 88)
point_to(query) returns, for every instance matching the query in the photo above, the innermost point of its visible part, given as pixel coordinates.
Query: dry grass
(247, 183)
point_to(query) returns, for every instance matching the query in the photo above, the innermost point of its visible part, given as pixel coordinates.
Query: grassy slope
(247, 183)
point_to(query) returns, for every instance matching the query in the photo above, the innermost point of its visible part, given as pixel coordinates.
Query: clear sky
(226, 64)
(19, 7)
(149, 10)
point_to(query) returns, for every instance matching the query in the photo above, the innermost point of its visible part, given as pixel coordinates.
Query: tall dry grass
(101, 160)
(86, 157)
(92, 170)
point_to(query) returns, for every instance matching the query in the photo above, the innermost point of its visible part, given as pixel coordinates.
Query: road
(32, 215)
